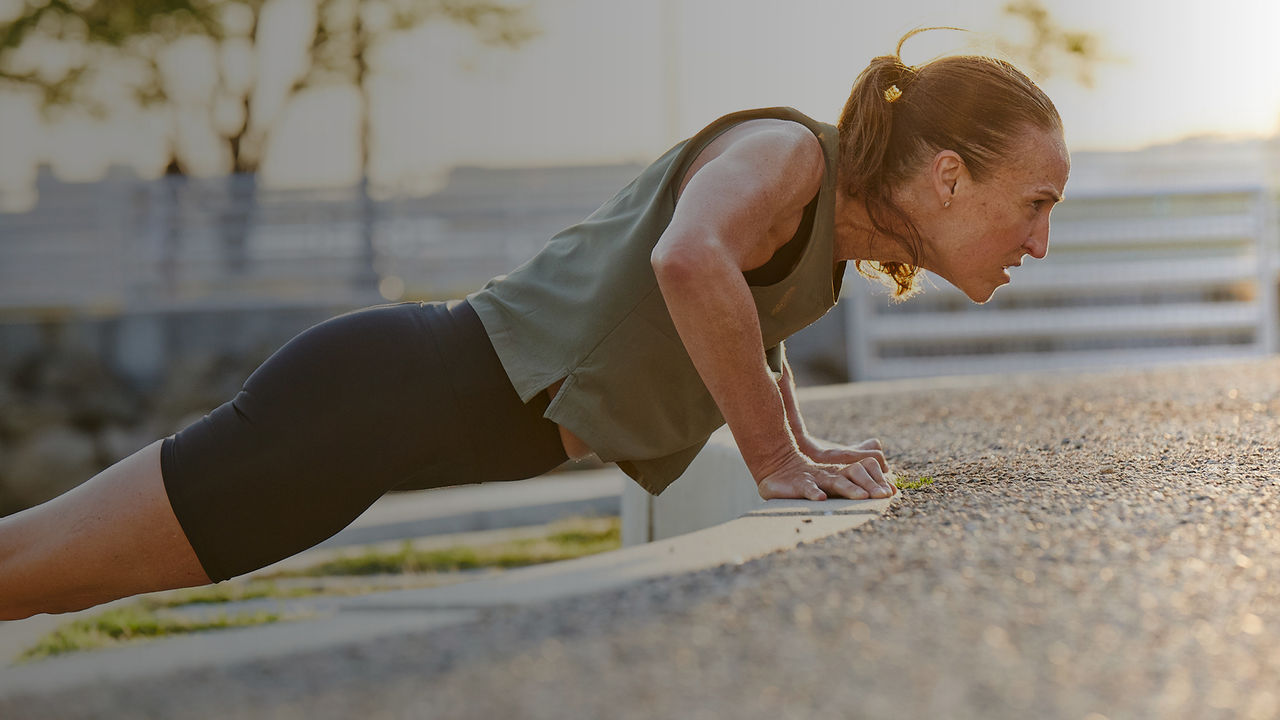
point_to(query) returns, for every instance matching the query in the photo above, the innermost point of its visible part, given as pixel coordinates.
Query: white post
(637, 515)
(858, 317)
(1267, 230)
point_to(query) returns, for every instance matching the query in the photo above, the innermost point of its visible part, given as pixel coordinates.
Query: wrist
(804, 443)
(762, 465)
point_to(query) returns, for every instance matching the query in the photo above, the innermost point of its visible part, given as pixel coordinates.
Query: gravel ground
(1094, 546)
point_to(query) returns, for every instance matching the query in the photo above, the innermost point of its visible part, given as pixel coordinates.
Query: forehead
(1039, 157)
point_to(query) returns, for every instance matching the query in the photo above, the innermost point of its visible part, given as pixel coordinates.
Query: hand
(801, 477)
(826, 453)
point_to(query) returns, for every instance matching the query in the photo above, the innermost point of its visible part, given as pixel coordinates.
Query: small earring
(946, 204)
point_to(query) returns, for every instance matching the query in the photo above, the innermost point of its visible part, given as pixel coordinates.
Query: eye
(1037, 205)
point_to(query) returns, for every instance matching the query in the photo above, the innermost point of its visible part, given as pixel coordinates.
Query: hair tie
(892, 93)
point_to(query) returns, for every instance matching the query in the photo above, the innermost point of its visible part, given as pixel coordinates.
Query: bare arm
(818, 450)
(719, 229)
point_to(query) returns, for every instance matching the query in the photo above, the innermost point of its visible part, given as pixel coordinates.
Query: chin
(979, 290)
(982, 295)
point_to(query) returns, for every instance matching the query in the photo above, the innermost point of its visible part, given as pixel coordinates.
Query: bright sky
(613, 80)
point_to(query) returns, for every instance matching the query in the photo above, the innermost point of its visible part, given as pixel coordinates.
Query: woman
(632, 335)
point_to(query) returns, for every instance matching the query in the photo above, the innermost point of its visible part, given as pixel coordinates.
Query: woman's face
(991, 225)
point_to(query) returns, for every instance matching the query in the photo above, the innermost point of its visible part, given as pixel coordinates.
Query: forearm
(787, 388)
(715, 315)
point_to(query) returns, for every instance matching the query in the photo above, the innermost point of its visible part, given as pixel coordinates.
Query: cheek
(1018, 229)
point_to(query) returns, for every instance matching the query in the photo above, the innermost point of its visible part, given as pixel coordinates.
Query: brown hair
(976, 106)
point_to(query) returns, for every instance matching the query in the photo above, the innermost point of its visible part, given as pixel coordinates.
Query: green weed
(914, 484)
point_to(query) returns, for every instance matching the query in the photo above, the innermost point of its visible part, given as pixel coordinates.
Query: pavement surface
(1092, 546)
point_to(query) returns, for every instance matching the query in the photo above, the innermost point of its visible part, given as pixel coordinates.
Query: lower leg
(114, 536)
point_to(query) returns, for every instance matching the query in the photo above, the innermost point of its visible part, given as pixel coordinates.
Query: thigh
(112, 536)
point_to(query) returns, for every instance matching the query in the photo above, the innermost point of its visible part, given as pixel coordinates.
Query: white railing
(1131, 277)
(128, 246)
(1137, 278)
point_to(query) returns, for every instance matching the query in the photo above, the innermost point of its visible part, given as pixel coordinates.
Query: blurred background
(186, 184)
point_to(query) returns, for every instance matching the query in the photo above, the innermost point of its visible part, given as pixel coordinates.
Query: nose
(1037, 244)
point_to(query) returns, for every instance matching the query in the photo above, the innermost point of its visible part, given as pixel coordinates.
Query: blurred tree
(77, 54)
(1050, 46)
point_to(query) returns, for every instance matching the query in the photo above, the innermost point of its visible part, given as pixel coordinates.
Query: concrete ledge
(715, 489)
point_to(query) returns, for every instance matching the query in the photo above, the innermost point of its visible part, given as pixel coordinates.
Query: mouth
(1004, 270)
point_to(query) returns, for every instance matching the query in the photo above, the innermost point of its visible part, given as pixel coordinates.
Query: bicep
(729, 205)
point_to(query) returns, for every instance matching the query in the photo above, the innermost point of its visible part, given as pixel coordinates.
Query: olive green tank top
(587, 309)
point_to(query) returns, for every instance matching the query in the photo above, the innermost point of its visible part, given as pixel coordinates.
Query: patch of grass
(565, 541)
(914, 484)
(151, 617)
(127, 624)
(225, 593)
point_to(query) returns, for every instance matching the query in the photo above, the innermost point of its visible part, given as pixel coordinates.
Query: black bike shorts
(403, 396)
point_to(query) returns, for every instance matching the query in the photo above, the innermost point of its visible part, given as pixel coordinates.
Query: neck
(857, 239)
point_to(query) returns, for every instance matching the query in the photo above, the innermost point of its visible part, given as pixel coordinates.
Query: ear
(946, 172)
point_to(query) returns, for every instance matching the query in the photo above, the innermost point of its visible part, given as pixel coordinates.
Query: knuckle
(858, 470)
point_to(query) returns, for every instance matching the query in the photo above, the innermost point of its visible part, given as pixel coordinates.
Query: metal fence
(1132, 277)
(180, 244)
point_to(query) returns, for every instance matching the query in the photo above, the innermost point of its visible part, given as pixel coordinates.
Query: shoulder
(787, 146)
(761, 154)
(746, 192)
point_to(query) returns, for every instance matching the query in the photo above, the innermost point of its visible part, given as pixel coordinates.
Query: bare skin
(111, 537)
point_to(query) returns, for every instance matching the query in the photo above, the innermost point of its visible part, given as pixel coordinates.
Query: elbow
(682, 262)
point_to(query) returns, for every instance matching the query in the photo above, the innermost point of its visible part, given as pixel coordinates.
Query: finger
(841, 457)
(812, 491)
(857, 456)
(861, 476)
(808, 489)
(873, 469)
(872, 444)
(796, 487)
(839, 485)
(848, 457)
(878, 456)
